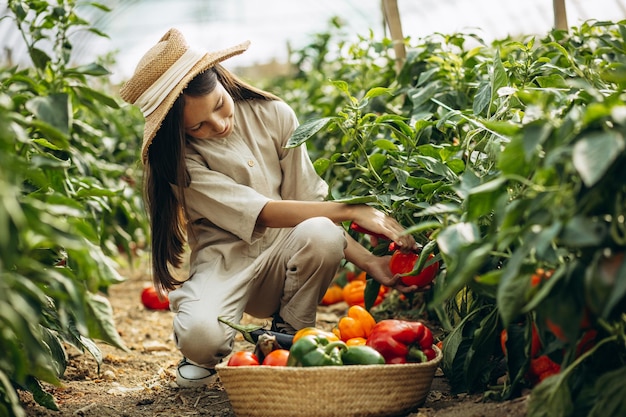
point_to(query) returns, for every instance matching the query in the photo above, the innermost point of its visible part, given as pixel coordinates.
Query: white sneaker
(189, 375)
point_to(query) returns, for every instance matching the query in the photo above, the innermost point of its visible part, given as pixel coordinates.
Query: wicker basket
(328, 391)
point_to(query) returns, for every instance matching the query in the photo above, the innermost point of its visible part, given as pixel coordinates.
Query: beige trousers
(290, 278)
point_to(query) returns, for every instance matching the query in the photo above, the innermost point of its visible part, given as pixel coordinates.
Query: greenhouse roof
(133, 26)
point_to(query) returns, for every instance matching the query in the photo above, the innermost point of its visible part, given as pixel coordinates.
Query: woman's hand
(378, 222)
(378, 268)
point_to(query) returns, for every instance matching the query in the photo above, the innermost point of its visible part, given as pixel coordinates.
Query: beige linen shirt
(234, 177)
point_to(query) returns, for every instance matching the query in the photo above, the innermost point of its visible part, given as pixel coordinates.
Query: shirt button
(251, 163)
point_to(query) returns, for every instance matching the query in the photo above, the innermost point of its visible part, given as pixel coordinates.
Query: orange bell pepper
(356, 341)
(362, 276)
(358, 323)
(354, 293)
(333, 295)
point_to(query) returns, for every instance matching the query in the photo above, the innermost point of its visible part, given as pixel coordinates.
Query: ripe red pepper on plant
(541, 368)
(535, 343)
(401, 341)
(404, 262)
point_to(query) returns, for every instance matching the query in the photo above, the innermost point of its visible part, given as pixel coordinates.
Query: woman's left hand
(378, 268)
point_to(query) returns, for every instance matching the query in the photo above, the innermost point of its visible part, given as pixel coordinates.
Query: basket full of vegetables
(362, 368)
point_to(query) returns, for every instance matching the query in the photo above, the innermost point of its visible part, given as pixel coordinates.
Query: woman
(218, 177)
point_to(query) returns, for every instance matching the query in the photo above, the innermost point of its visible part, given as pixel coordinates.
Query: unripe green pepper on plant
(401, 341)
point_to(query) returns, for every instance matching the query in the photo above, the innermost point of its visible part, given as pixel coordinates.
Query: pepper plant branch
(471, 120)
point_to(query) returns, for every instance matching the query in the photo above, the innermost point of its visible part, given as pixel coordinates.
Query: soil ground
(141, 382)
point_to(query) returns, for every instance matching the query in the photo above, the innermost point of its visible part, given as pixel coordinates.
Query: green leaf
(401, 175)
(93, 349)
(595, 152)
(610, 390)
(95, 97)
(426, 226)
(321, 165)
(551, 398)
(307, 130)
(517, 345)
(436, 167)
(377, 91)
(456, 165)
(615, 72)
(481, 200)
(456, 348)
(40, 395)
(551, 81)
(417, 182)
(378, 161)
(53, 110)
(100, 321)
(357, 199)
(504, 128)
(95, 191)
(499, 78)
(385, 145)
(582, 231)
(422, 95)
(10, 404)
(372, 289)
(39, 57)
(89, 69)
(482, 100)
(58, 355)
(439, 208)
(478, 363)
(464, 254)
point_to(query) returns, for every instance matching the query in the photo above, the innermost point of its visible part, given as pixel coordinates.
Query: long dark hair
(166, 166)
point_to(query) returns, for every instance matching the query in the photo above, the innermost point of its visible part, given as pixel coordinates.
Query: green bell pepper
(362, 355)
(311, 350)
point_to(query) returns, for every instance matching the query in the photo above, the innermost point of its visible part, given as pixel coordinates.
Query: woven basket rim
(334, 368)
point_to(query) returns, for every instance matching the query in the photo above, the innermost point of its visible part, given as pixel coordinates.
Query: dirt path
(141, 382)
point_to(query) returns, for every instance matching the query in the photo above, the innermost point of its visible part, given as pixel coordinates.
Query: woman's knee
(323, 234)
(205, 342)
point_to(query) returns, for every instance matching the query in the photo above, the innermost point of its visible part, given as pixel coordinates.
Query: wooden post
(560, 15)
(392, 17)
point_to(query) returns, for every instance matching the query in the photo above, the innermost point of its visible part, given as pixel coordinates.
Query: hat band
(150, 100)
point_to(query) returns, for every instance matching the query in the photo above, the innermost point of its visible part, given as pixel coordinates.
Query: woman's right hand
(378, 222)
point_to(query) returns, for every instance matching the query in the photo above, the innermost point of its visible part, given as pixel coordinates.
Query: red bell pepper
(401, 341)
(541, 368)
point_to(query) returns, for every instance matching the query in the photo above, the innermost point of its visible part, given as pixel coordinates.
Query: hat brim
(155, 119)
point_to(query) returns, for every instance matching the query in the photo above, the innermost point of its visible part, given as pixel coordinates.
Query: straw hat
(161, 76)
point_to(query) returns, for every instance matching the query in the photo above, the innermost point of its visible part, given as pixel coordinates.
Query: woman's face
(209, 116)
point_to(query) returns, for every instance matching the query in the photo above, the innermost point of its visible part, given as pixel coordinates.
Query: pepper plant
(504, 160)
(69, 203)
